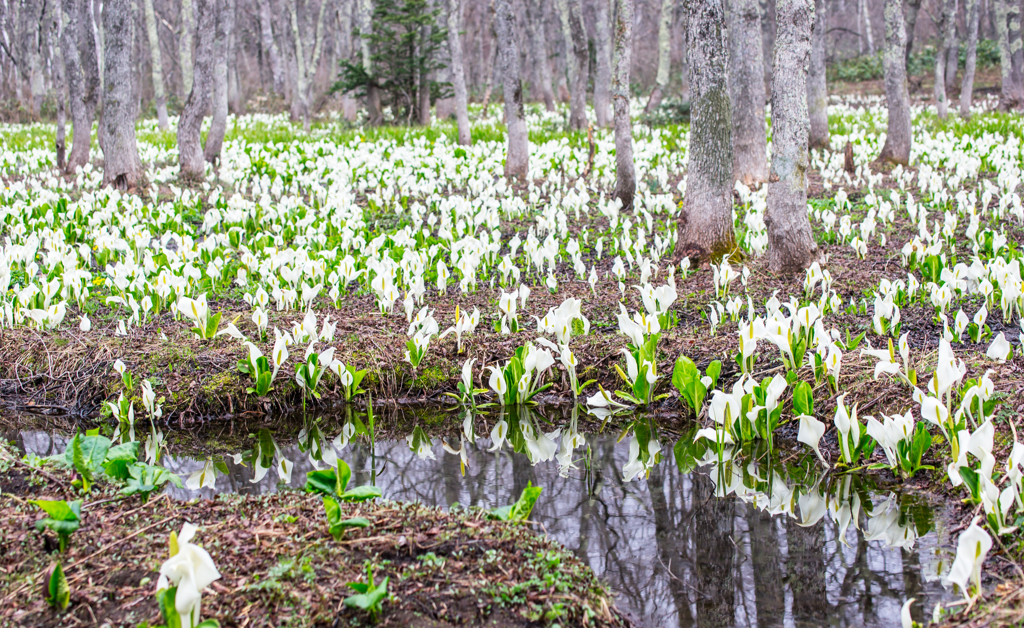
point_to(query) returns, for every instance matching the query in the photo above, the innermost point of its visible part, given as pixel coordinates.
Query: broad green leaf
(58, 592)
(803, 399)
(361, 494)
(119, 458)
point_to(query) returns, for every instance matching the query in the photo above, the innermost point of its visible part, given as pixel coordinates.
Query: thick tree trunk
(81, 70)
(791, 245)
(952, 57)
(185, 48)
(535, 27)
(122, 167)
(747, 94)
(664, 57)
(973, 13)
(157, 65)
(31, 31)
(219, 119)
(913, 6)
(947, 30)
(817, 87)
(458, 71)
(579, 62)
(706, 228)
(602, 82)
(1008, 32)
(269, 45)
(897, 140)
(625, 174)
(190, 152)
(767, 9)
(300, 108)
(518, 155)
(567, 52)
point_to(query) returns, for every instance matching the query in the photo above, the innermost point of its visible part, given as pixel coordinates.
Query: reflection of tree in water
(675, 554)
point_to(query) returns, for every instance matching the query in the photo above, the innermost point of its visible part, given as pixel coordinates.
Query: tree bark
(747, 93)
(375, 116)
(157, 65)
(219, 120)
(518, 154)
(625, 174)
(122, 167)
(579, 62)
(1011, 94)
(706, 227)
(897, 140)
(81, 70)
(791, 245)
(424, 83)
(913, 6)
(602, 82)
(55, 29)
(190, 152)
(767, 9)
(947, 29)
(869, 36)
(269, 44)
(458, 71)
(185, 48)
(973, 13)
(234, 97)
(535, 27)
(32, 14)
(952, 56)
(817, 87)
(664, 57)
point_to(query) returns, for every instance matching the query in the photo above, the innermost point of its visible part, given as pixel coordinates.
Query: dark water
(749, 542)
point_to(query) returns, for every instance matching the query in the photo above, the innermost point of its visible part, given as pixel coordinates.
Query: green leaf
(119, 458)
(713, 371)
(328, 481)
(87, 457)
(361, 494)
(58, 592)
(165, 600)
(803, 399)
(369, 599)
(519, 511)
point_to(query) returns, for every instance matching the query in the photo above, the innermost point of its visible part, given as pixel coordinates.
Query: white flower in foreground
(999, 350)
(811, 431)
(86, 324)
(971, 549)
(905, 619)
(191, 569)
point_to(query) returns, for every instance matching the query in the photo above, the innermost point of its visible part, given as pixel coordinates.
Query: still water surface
(739, 544)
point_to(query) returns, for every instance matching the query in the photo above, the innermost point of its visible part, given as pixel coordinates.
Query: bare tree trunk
(535, 27)
(946, 28)
(913, 6)
(791, 245)
(625, 174)
(185, 48)
(458, 72)
(897, 140)
(234, 97)
(817, 87)
(602, 82)
(973, 11)
(767, 8)
(365, 22)
(664, 57)
(747, 94)
(269, 45)
(55, 29)
(868, 34)
(78, 47)
(518, 155)
(157, 65)
(424, 82)
(706, 228)
(32, 18)
(122, 167)
(190, 152)
(219, 119)
(952, 56)
(579, 62)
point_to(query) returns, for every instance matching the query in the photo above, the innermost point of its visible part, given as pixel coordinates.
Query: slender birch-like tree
(157, 65)
(535, 28)
(517, 156)
(625, 174)
(82, 72)
(817, 87)
(269, 45)
(973, 12)
(185, 37)
(458, 71)
(664, 56)
(602, 82)
(947, 35)
(219, 118)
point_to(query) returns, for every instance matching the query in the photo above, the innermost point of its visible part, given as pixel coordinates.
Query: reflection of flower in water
(636, 463)
(886, 527)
